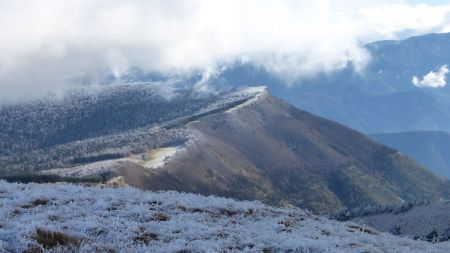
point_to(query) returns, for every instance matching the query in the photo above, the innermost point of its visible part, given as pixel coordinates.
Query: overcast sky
(45, 43)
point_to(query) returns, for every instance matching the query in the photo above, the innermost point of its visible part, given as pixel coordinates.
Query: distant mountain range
(382, 98)
(245, 144)
(430, 148)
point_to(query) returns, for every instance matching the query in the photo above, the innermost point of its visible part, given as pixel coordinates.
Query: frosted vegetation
(65, 217)
(109, 123)
(371, 210)
(424, 220)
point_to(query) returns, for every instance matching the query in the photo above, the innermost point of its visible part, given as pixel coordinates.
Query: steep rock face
(269, 150)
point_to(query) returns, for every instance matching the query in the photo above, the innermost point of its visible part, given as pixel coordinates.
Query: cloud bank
(432, 79)
(45, 44)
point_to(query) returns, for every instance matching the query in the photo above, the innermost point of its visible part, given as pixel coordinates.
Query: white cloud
(390, 20)
(43, 42)
(432, 79)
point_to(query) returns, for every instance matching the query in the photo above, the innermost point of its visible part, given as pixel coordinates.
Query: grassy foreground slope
(64, 218)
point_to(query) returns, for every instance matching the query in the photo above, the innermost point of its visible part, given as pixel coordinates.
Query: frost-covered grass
(129, 220)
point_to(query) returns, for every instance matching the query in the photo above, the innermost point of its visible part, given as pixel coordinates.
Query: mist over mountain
(403, 87)
(113, 131)
(382, 97)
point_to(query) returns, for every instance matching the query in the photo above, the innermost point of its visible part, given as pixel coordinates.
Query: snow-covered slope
(107, 123)
(129, 220)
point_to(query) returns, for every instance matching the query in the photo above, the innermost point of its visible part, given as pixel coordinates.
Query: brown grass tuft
(161, 217)
(50, 239)
(35, 203)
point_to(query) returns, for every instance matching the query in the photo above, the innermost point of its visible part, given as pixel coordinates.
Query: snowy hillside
(129, 220)
(92, 125)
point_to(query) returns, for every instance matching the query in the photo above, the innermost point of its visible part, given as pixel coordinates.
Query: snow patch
(155, 158)
(152, 159)
(84, 170)
(256, 92)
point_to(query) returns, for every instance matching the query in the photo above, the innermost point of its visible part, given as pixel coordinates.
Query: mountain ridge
(247, 145)
(318, 156)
